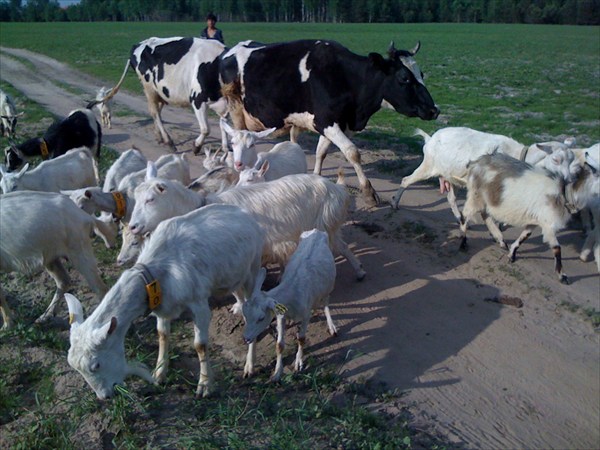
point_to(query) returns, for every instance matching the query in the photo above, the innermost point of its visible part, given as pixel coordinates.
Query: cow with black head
(323, 87)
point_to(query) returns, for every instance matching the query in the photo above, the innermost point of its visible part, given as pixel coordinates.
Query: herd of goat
(192, 239)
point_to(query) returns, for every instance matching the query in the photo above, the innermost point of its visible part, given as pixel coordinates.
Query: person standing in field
(212, 32)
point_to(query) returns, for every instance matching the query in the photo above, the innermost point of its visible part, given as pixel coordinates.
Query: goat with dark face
(79, 129)
(323, 87)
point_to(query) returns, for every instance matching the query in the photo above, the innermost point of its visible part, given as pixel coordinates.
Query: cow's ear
(379, 62)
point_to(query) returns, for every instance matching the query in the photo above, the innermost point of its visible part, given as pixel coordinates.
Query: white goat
(8, 116)
(94, 200)
(172, 167)
(212, 160)
(38, 230)
(285, 158)
(73, 170)
(591, 156)
(104, 107)
(495, 188)
(130, 161)
(307, 282)
(449, 150)
(212, 251)
(242, 144)
(216, 180)
(284, 208)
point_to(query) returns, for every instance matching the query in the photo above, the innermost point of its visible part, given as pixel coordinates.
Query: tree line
(574, 12)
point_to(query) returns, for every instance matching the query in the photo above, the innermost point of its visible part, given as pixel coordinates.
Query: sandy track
(484, 375)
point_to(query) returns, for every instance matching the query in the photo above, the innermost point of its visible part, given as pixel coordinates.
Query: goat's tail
(112, 92)
(419, 132)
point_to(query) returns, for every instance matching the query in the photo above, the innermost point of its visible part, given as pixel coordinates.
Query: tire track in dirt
(482, 374)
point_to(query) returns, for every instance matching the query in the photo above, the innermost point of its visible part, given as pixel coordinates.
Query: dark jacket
(218, 35)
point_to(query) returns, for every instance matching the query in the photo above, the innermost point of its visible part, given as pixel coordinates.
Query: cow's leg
(322, 147)
(202, 118)
(337, 136)
(155, 105)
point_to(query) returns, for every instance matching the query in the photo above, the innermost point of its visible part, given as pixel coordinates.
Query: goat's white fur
(104, 107)
(38, 230)
(73, 170)
(285, 158)
(211, 251)
(129, 161)
(307, 282)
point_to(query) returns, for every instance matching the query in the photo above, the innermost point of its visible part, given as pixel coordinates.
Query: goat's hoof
(247, 373)
(503, 246)
(361, 274)
(197, 149)
(275, 379)
(463, 245)
(333, 333)
(512, 258)
(395, 202)
(564, 279)
(202, 391)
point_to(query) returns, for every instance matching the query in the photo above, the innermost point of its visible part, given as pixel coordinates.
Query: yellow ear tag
(280, 309)
(121, 204)
(44, 149)
(154, 294)
(71, 318)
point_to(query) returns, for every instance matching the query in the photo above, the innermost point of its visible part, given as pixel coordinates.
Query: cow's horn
(414, 51)
(391, 49)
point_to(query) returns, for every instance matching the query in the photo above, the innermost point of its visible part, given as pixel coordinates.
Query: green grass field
(531, 82)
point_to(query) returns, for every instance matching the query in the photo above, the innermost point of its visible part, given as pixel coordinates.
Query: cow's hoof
(463, 245)
(197, 149)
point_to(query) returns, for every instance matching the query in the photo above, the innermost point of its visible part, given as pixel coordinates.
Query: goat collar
(567, 191)
(152, 286)
(524, 151)
(121, 205)
(44, 149)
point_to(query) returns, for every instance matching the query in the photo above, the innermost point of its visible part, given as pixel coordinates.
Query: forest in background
(572, 12)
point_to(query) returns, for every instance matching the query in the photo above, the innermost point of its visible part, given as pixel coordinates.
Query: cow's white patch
(242, 53)
(410, 62)
(386, 105)
(302, 120)
(304, 71)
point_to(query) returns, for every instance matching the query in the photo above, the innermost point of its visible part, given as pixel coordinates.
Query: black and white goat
(79, 129)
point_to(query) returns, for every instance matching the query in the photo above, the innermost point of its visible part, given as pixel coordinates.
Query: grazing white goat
(307, 282)
(212, 160)
(104, 107)
(73, 170)
(211, 251)
(94, 200)
(242, 144)
(8, 116)
(131, 247)
(285, 158)
(449, 150)
(284, 208)
(130, 161)
(39, 229)
(216, 180)
(172, 167)
(495, 188)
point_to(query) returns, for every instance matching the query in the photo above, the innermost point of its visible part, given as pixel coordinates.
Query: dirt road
(481, 373)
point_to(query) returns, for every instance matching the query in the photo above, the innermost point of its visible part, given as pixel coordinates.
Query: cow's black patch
(169, 53)
(208, 78)
(147, 77)
(165, 91)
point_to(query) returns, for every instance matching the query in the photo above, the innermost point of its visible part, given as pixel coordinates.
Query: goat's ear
(160, 187)
(207, 152)
(150, 170)
(23, 170)
(102, 333)
(556, 160)
(75, 310)
(263, 134)
(264, 168)
(545, 148)
(225, 126)
(260, 279)
(88, 193)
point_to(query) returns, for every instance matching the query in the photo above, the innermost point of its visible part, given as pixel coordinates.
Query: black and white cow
(176, 71)
(323, 87)
(79, 129)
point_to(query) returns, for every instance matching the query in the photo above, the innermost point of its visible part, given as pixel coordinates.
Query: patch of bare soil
(520, 371)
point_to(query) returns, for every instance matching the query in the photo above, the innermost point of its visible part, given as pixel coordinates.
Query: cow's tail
(233, 94)
(112, 92)
(419, 132)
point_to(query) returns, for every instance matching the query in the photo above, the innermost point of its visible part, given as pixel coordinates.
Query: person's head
(211, 20)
